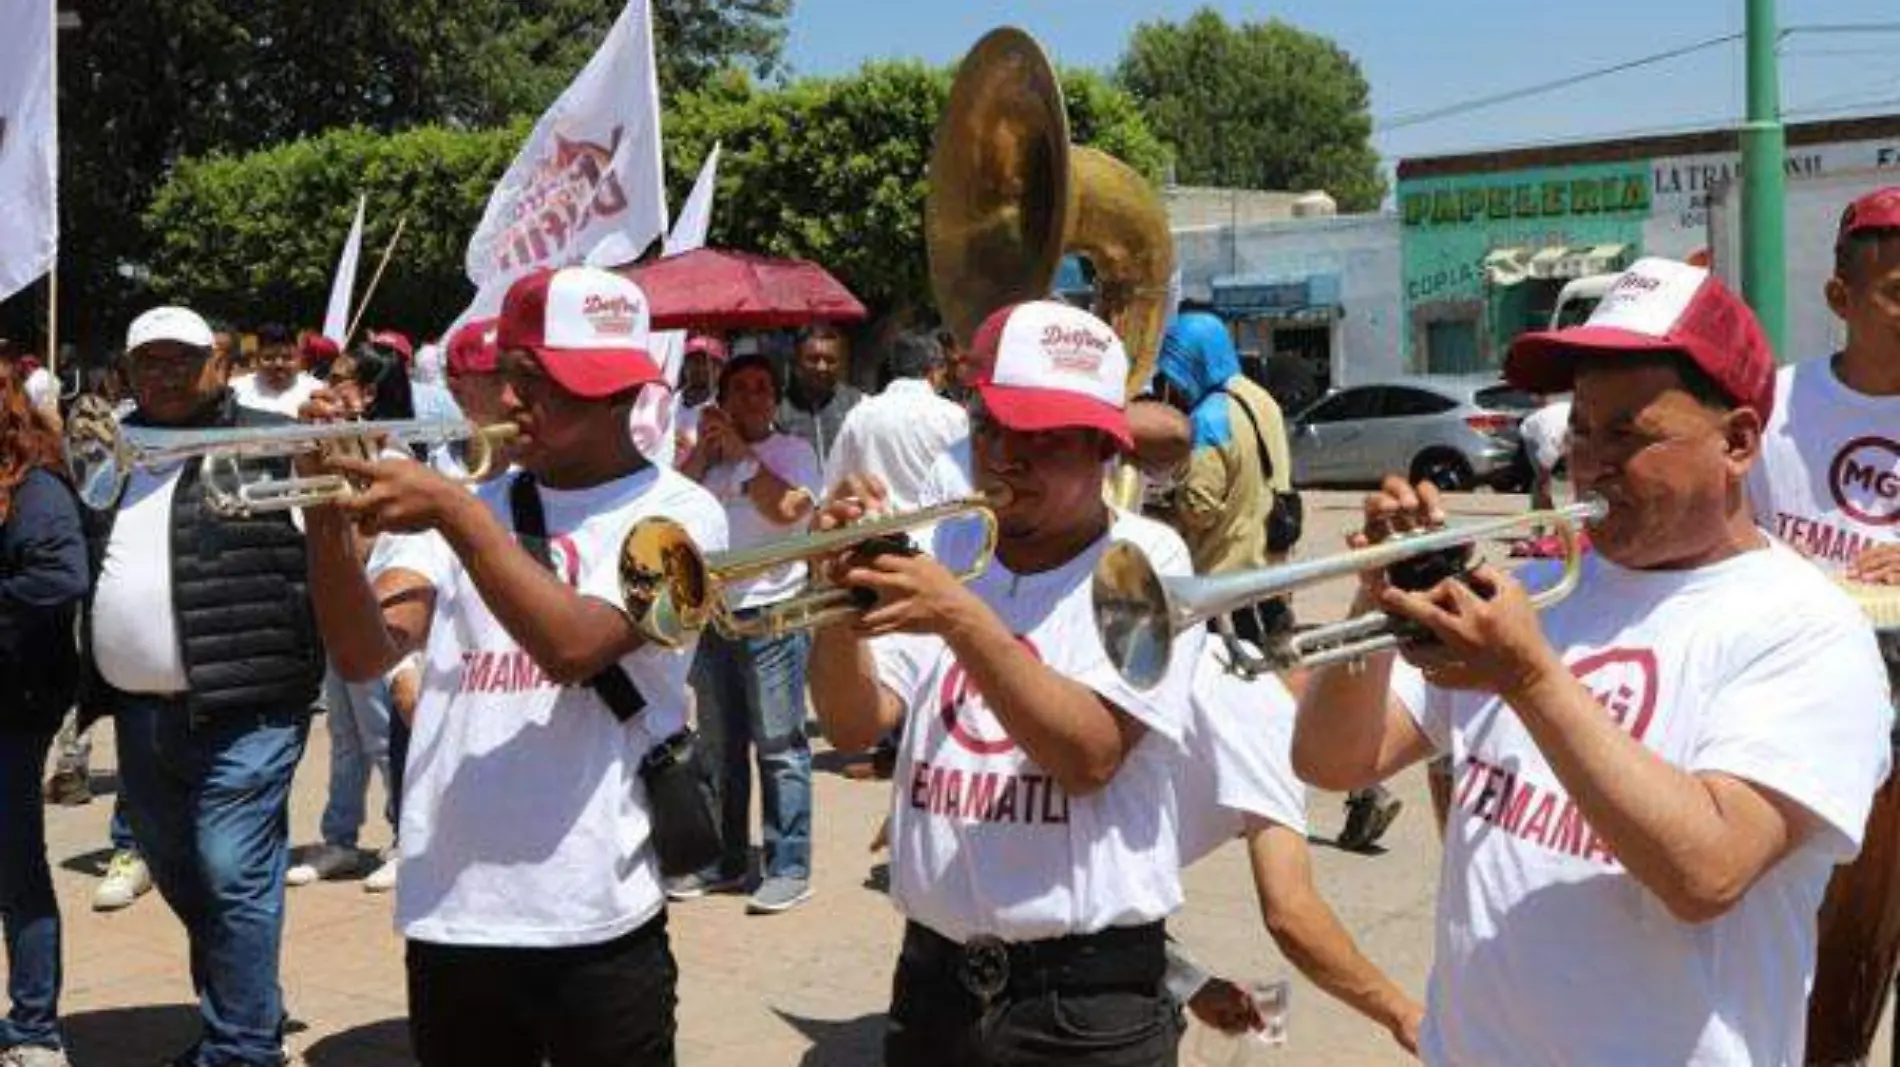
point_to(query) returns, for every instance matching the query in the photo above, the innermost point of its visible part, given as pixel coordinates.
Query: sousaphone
(1009, 196)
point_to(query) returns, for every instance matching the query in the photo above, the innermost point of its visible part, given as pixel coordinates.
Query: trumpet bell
(1131, 615)
(96, 455)
(664, 581)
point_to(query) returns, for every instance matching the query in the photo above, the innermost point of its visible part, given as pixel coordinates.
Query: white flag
(29, 148)
(336, 320)
(590, 169)
(689, 233)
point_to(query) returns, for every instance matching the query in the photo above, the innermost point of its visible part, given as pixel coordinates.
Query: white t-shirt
(896, 436)
(252, 394)
(1237, 767)
(1548, 950)
(794, 462)
(1828, 480)
(524, 821)
(983, 840)
(1546, 434)
(686, 423)
(134, 629)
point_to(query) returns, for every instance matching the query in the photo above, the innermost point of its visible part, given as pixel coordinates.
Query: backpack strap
(1259, 439)
(612, 685)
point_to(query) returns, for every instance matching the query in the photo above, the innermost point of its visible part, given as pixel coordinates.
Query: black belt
(1131, 958)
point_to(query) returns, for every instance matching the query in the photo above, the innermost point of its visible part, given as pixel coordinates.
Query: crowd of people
(1649, 786)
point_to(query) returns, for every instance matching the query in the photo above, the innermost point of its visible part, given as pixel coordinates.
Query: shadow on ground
(370, 1045)
(855, 1042)
(131, 1037)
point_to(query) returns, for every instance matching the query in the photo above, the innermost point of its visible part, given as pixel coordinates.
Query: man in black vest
(201, 643)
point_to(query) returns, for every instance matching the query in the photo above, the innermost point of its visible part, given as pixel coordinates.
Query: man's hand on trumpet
(915, 593)
(389, 496)
(1487, 633)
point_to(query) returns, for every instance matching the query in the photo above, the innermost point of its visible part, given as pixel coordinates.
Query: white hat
(182, 325)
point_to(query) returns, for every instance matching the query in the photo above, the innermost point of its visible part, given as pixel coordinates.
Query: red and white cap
(589, 328)
(1044, 365)
(472, 349)
(396, 342)
(1878, 210)
(1658, 305)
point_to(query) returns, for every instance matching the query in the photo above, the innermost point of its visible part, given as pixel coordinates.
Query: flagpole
(374, 278)
(52, 270)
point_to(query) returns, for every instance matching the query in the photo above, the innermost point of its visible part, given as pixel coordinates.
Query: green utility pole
(1764, 184)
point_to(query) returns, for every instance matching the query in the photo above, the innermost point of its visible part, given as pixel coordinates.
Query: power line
(1420, 117)
(1417, 118)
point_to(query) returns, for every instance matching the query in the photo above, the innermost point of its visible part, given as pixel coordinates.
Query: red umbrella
(713, 288)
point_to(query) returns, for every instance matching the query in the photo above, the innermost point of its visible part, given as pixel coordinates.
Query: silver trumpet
(1138, 613)
(101, 455)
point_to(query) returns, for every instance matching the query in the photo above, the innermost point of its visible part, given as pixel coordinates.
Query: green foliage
(834, 170)
(1260, 105)
(144, 84)
(254, 238)
(828, 169)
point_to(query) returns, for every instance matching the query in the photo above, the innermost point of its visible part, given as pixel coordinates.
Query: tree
(834, 169)
(1257, 106)
(831, 169)
(143, 85)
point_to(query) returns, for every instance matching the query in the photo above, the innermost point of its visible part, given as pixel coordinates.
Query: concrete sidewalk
(807, 988)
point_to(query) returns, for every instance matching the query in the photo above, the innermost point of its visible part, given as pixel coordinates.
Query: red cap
(1658, 305)
(318, 348)
(588, 327)
(1044, 365)
(472, 348)
(395, 342)
(1878, 210)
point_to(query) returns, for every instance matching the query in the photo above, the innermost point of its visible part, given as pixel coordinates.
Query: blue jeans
(752, 697)
(27, 905)
(210, 808)
(359, 738)
(120, 830)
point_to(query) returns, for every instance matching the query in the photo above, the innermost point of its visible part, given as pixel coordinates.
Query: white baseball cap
(1044, 365)
(590, 328)
(182, 325)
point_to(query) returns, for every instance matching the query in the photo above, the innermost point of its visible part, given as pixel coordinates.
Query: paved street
(805, 988)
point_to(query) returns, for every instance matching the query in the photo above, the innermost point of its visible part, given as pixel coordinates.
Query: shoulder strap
(1259, 439)
(612, 685)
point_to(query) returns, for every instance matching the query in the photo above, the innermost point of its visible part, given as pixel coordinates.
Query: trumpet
(672, 588)
(101, 454)
(1138, 613)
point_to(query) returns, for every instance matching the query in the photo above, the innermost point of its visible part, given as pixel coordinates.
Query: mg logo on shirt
(1865, 480)
(966, 716)
(566, 557)
(1623, 680)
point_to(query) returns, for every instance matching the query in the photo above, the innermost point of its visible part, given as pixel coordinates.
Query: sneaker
(383, 878)
(33, 1056)
(779, 894)
(1368, 815)
(323, 862)
(127, 879)
(694, 886)
(69, 788)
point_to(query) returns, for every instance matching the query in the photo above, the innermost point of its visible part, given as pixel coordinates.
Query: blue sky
(1419, 56)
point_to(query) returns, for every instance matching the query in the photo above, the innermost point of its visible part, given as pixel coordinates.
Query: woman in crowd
(42, 580)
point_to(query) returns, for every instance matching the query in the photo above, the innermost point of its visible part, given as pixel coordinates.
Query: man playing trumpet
(1032, 839)
(1651, 786)
(530, 895)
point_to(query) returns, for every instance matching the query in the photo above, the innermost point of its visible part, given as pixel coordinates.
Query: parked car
(1456, 432)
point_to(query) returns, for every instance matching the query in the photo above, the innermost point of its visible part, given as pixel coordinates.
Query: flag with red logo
(29, 148)
(590, 170)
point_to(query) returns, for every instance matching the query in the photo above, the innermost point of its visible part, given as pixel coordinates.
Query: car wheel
(1446, 470)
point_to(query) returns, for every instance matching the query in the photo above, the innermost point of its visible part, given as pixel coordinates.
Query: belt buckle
(983, 967)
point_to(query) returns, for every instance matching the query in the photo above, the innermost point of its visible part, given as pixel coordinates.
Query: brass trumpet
(672, 588)
(1138, 613)
(101, 455)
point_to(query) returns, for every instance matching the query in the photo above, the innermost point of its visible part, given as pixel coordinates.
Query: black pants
(936, 1022)
(606, 1005)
